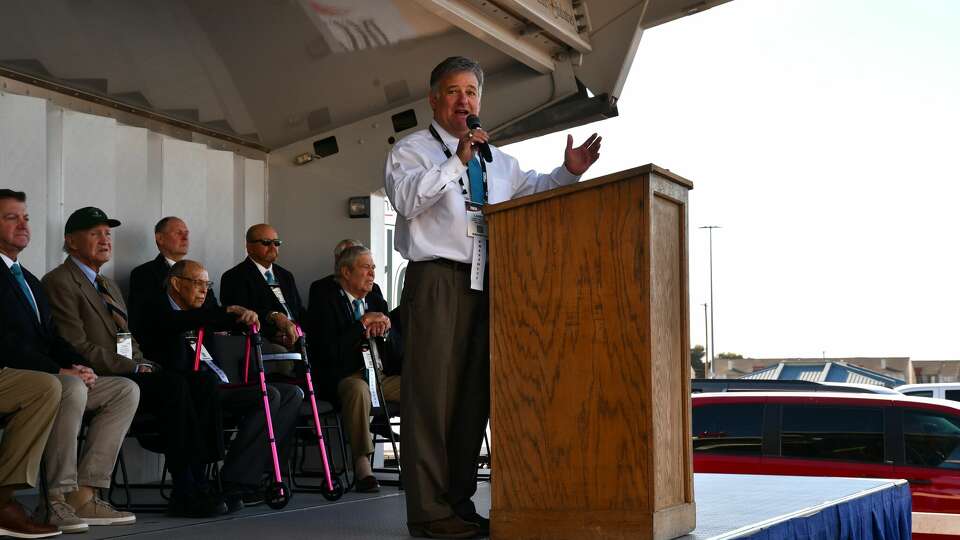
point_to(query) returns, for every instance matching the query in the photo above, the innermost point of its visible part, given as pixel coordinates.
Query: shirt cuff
(566, 177)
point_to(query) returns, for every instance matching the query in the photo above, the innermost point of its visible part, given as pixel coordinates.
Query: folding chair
(383, 417)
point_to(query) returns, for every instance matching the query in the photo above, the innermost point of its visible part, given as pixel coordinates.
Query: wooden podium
(590, 361)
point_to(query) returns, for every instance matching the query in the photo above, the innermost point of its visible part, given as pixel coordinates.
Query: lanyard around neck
(446, 151)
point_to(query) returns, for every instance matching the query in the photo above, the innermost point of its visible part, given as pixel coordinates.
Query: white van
(949, 391)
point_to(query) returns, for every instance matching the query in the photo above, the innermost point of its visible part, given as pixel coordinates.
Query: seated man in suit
(29, 399)
(91, 316)
(169, 324)
(30, 342)
(148, 281)
(330, 280)
(344, 317)
(258, 284)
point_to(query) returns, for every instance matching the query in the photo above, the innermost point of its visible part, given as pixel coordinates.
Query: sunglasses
(267, 243)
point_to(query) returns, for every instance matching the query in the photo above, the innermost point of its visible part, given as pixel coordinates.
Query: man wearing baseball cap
(91, 315)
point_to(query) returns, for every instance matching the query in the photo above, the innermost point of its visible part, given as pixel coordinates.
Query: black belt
(456, 265)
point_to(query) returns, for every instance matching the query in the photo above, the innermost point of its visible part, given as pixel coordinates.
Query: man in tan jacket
(91, 315)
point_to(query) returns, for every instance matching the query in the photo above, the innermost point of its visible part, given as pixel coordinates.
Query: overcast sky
(823, 136)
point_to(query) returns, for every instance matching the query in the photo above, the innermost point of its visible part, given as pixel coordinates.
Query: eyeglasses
(197, 282)
(267, 242)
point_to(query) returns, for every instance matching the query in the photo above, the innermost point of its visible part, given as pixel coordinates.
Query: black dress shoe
(196, 506)
(238, 496)
(367, 484)
(482, 523)
(451, 527)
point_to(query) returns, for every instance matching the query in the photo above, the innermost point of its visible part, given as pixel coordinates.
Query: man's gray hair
(349, 257)
(341, 246)
(455, 64)
(179, 269)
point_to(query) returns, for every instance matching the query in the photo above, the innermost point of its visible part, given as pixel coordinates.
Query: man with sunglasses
(261, 285)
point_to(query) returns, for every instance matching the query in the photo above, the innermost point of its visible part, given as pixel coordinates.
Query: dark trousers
(188, 416)
(249, 454)
(445, 391)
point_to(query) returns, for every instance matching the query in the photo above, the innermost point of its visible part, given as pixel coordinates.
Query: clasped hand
(84, 373)
(376, 324)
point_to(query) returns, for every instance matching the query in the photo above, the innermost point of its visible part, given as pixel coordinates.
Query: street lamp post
(713, 330)
(706, 336)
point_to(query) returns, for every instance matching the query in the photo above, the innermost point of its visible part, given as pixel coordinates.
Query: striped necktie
(114, 307)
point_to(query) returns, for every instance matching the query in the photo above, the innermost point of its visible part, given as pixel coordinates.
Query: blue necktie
(357, 309)
(18, 274)
(475, 174)
(270, 279)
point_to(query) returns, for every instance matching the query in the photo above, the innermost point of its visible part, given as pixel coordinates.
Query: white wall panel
(185, 189)
(89, 166)
(23, 167)
(255, 192)
(221, 233)
(138, 206)
(54, 255)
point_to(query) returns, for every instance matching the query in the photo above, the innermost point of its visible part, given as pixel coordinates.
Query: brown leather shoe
(15, 522)
(367, 484)
(451, 527)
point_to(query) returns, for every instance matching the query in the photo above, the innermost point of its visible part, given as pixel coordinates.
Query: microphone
(473, 122)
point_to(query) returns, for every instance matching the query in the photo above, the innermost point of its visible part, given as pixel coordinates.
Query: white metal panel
(219, 236)
(254, 193)
(185, 188)
(23, 166)
(88, 166)
(138, 207)
(54, 221)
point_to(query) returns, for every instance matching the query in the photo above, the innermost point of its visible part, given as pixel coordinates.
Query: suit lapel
(91, 295)
(160, 268)
(24, 301)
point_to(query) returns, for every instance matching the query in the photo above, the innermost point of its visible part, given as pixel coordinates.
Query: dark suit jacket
(25, 342)
(335, 337)
(83, 320)
(164, 333)
(243, 285)
(148, 286)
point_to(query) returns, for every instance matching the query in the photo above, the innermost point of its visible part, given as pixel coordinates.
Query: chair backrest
(228, 351)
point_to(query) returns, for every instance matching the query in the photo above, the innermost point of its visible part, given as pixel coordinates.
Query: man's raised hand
(578, 160)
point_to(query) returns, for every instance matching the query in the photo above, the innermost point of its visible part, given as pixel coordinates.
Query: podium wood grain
(590, 408)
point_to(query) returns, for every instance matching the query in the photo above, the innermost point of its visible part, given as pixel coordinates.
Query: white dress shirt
(423, 187)
(264, 269)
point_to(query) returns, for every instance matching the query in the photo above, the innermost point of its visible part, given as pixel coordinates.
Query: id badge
(478, 266)
(278, 293)
(476, 224)
(371, 377)
(125, 345)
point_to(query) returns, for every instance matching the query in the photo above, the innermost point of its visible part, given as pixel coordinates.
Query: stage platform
(728, 506)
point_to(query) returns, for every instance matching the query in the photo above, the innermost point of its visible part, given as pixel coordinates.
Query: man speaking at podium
(438, 183)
